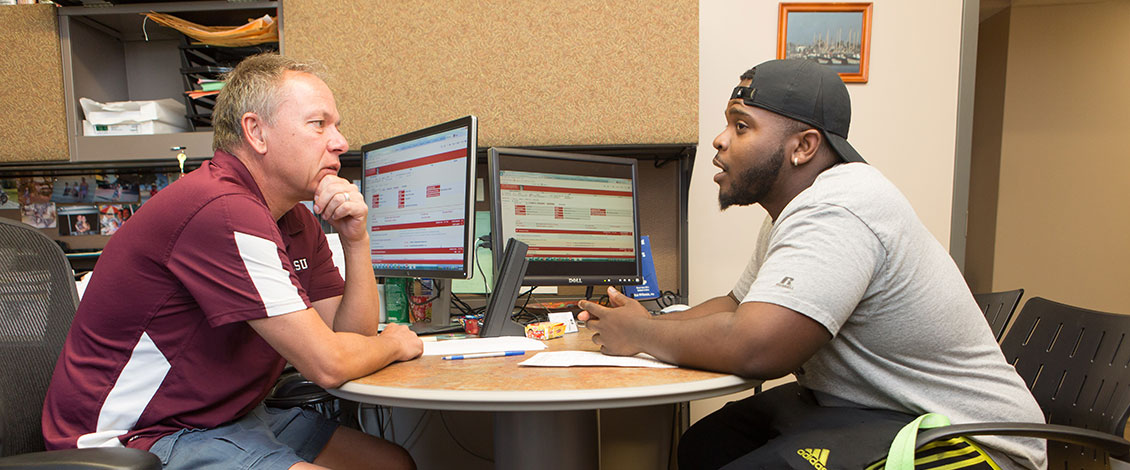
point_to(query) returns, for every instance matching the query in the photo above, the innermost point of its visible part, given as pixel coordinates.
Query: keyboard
(425, 329)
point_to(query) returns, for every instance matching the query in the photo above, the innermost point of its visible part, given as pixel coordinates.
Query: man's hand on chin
(339, 202)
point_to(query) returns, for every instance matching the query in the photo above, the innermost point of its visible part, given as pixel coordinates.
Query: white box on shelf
(168, 111)
(129, 128)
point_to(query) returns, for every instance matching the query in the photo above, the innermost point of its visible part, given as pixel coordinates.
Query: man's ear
(807, 146)
(253, 132)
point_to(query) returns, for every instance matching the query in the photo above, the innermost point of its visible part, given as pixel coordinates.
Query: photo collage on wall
(95, 204)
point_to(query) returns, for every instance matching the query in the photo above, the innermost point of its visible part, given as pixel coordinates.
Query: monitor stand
(441, 306)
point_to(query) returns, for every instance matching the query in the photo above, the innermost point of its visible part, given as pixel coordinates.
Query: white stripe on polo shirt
(271, 279)
(136, 385)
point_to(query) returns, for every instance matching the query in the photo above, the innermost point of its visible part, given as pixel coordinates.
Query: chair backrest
(998, 308)
(1075, 361)
(37, 302)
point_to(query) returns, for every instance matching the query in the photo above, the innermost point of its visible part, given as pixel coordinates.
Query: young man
(219, 281)
(852, 294)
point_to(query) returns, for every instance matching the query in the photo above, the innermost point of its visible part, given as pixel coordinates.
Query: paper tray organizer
(204, 62)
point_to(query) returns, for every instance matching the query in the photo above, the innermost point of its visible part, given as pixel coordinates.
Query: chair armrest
(1116, 446)
(116, 458)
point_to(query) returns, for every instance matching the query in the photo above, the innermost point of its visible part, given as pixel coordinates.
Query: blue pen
(489, 354)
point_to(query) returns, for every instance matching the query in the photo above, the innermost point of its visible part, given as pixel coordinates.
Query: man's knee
(716, 439)
(349, 448)
(399, 458)
(694, 448)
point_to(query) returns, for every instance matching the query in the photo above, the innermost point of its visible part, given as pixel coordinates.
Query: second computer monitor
(420, 188)
(576, 212)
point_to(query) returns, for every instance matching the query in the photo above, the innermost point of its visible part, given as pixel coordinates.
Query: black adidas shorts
(784, 428)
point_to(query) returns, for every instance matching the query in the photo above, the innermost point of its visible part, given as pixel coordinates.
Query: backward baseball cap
(808, 92)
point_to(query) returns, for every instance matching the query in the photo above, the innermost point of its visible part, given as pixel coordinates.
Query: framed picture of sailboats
(837, 35)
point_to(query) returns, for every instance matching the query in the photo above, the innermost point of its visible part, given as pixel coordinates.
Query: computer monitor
(576, 212)
(420, 188)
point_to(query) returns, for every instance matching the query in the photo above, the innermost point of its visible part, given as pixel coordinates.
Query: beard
(753, 183)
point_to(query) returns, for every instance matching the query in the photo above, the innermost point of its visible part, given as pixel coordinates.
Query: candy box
(545, 330)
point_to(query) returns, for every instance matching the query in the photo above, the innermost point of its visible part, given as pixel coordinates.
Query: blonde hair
(251, 87)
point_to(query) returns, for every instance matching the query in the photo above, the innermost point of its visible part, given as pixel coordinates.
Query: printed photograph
(73, 189)
(116, 188)
(34, 190)
(9, 194)
(78, 220)
(112, 216)
(38, 214)
(149, 184)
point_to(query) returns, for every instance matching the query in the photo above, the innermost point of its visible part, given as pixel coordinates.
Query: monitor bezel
(470, 122)
(493, 155)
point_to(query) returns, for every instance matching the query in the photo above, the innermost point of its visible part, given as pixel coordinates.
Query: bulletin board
(31, 98)
(570, 72)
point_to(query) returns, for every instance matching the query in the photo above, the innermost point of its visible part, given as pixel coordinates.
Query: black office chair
(998, 308)
(37, 302)
(294, 390)
(1075, 361)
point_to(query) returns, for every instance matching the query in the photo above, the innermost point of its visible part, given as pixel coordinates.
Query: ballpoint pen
(488, 354)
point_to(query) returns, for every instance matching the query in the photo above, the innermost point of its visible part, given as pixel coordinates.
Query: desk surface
(500, 384)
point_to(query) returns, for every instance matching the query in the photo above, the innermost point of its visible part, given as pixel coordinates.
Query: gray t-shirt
(850, 253)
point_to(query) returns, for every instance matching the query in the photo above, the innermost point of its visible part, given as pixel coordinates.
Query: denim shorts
(267, 438)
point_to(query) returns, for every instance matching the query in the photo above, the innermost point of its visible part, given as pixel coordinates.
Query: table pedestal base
(546, 440)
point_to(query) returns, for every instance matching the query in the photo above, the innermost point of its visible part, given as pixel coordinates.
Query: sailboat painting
(835, 35)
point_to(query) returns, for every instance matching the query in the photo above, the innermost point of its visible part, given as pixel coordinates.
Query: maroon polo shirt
(160, 341)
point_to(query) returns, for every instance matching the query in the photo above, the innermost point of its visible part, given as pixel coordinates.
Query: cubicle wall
(573, 72)
(32, 120)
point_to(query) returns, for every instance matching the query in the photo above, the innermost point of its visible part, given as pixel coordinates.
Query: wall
(32, 118)
(984, 180)
(903, 122)
(571, 72)
(1062, 226)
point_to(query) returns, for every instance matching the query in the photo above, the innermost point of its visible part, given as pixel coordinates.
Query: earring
(796, 162)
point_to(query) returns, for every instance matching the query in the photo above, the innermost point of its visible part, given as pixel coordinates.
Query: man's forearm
(718, 304)
(703, 340)
(359, 311)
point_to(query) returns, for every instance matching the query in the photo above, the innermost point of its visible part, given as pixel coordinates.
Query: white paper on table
(591, 358)
(481, 345)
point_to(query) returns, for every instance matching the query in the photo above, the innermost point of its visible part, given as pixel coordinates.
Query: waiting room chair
(37, 303)
(998, 308)
(1075, 362)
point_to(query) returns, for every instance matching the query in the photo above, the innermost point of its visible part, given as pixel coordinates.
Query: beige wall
(1063, 224)
(903, 122)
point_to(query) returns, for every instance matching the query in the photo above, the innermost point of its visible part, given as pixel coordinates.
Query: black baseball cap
(808, 92)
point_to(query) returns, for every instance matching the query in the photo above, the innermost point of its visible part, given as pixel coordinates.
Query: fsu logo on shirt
(300, 264)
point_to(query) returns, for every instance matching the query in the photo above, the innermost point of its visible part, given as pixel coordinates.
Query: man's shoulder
(858, 188)
(853, 180)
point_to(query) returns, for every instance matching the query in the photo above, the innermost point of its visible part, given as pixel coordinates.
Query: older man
(218, 281)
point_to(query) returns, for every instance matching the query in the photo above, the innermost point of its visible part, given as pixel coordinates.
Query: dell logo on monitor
(574, 280)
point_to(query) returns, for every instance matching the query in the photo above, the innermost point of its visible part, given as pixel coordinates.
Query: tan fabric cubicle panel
(33, 123)
(570, 72)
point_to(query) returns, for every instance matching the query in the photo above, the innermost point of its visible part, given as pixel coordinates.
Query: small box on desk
(545, 330)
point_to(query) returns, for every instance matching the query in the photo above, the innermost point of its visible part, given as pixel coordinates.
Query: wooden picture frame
(837, 35)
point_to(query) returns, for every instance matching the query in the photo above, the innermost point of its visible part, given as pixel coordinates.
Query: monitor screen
(421, 194)
(576, 212)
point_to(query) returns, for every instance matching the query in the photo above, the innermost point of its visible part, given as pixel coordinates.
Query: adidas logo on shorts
(817, 457)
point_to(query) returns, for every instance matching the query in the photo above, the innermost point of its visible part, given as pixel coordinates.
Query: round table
(539, 410)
